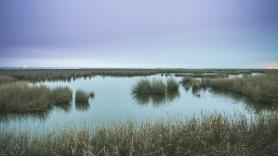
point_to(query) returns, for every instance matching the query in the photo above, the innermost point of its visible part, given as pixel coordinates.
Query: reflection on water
(4, 117)
(82, 106)
(156, 100)
(114, 101)
(65, 107)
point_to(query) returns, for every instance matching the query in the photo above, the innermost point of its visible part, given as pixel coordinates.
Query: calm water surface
(114, 101)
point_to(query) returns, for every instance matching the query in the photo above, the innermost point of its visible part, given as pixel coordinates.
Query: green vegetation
(23, 97)
(81, 96)
(207, 135)
(259, 88)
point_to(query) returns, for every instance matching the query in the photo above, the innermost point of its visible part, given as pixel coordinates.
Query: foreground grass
(208, 135)
(22, 97)
(258, 88)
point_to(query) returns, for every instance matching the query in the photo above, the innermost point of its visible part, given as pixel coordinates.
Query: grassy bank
(23, 97)
(208, 135)
(259, 88)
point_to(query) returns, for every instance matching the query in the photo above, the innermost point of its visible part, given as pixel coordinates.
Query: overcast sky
(139, 33)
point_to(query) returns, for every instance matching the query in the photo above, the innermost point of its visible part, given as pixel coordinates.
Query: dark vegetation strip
(55, 74)
(202, 75)
(208, 135)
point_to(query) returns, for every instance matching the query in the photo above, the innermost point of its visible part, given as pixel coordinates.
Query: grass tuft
(147, 87)
(172, 85)
(81, 96)
(61, 95)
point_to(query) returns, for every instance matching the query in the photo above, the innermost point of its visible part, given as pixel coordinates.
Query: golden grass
(214, 134)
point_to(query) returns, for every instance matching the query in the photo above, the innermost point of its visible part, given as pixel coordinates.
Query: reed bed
(61, 95)
(6, 79)
(82, 96)
(155, 87)
(262, 88)
(214, 134)
(21, 97)
(149, 87)
(202, 75)
(172, 85)
(68, 74)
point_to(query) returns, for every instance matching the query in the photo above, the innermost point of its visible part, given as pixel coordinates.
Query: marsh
(92, 103)
(96, 100)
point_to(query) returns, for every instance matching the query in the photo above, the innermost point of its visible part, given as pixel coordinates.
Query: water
(114, 101)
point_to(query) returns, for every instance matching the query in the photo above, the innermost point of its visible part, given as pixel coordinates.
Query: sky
(139, 33)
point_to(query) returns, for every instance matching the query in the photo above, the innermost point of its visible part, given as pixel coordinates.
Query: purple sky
(145, 33)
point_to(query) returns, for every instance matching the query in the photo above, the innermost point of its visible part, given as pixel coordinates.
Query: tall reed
(259, 88)
(25, 97)
(214, 134)
(81, 96)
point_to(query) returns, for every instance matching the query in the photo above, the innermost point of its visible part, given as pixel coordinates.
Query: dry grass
(208, 135)
(61, 95)
(67, 74)
(23, 97)
(81, 96)
(259, 88)
(147, 87)
(202, 75)
(172, 85)
(6, 79)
